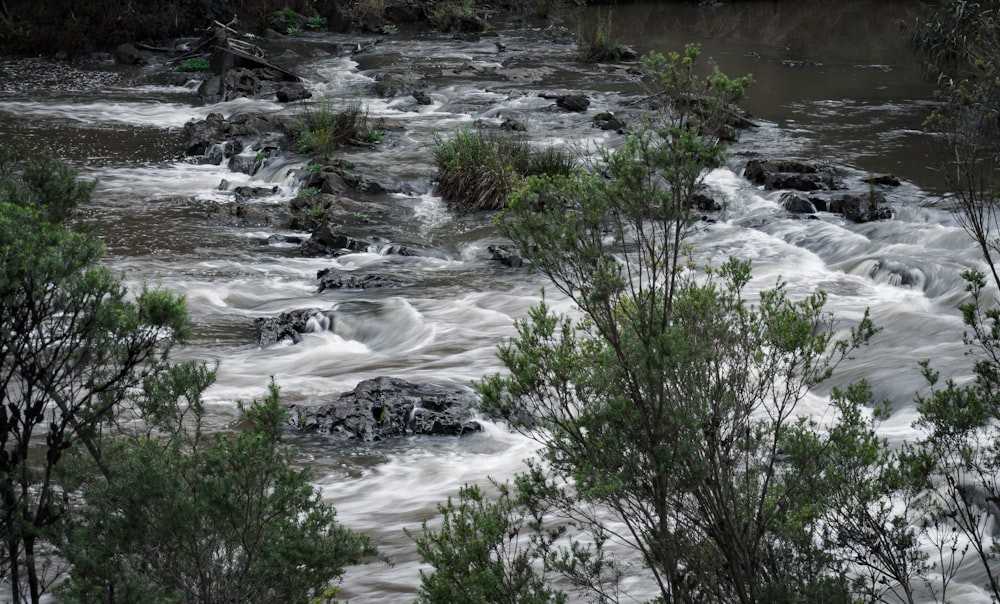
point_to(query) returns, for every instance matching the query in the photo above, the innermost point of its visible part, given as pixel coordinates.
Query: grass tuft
(324, 127)
(477, 170)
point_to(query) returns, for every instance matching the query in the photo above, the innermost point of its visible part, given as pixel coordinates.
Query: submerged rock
(384, 407)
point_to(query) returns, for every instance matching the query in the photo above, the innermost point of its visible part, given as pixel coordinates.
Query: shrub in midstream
(324, 127)
(478, 169)
(598, 43)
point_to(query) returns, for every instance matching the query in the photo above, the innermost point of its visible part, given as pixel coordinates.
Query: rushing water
(833, 84)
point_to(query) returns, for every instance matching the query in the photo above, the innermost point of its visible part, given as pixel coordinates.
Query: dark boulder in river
(385, 407)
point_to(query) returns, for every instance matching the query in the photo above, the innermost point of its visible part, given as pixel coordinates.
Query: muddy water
(835, 84)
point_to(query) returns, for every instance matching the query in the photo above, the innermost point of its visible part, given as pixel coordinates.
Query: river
(835, 82)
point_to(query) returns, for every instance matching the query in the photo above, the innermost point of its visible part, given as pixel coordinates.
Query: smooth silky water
(834, 84)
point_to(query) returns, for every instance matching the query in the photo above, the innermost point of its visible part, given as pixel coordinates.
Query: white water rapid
(859, 108)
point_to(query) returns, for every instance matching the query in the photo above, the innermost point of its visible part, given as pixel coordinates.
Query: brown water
(835, 82)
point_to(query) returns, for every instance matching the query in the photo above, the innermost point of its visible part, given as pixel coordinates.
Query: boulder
(291, 92)
(324, 241)
(797, 204)
(573, 102)
(386, 407)
(331, 279)
(506, 254)
(241, 214)
(885, 180)
(861, 208)
(607, 121)
(291, 325)
(215, 138)
(790, 174)
(128, 54)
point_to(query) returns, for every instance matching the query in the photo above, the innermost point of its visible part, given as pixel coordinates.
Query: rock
(608, 121)
(573, 102)
(239, 214)
(861, 208)
(290, 93)
(291, 325)
(506, 254)
(386, 407)
(215, 138)
(790, 174)
(421, 97)
(247, 192)
(278, 238)
(388, 85)
(513, 123)
(330, 279)
(706, 203)
(325, 242)
(245, 164)
(886, 180)
(797, 204)
(128, 54)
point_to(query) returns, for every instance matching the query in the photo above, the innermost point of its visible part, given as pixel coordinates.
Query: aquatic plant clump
(195, 64)
(478, 169)
(324, 128)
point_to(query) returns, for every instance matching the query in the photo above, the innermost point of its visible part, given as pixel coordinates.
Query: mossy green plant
(194, 64)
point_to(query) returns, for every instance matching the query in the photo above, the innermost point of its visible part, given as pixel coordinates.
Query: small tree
(73, 342)
(191, 516)
(671, 403)
(484, 553)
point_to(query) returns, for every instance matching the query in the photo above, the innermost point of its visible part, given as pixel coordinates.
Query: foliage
(670, 407)
(40, 182)
(325, 128)
(478, 169)
(598, 42)
(194, 64)
(369, 9)
(457, 15)
(316, 22)
(73, 343)
(478, 555)
(961, 41)
(957, 457)
(230, 516)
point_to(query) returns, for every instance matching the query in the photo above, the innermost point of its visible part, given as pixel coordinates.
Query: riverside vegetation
(667, 413)
(668, 409)
(105, 468)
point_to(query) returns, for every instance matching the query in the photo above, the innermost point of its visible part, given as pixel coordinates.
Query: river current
(833, 84)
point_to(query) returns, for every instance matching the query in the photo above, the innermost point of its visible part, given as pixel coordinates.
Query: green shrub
(324, 128)
(599, 43)
(477, 170)
(195, 64)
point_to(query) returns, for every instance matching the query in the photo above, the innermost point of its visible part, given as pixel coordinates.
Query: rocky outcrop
(332, 279)
(291, 325)
(791, 174)
(325, 241)
(867, 207)
(216, 139)
(386, 407)
(570, 102)
(506, 254)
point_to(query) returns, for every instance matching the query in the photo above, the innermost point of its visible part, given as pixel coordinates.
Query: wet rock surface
(386, 407)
